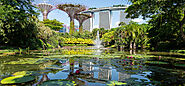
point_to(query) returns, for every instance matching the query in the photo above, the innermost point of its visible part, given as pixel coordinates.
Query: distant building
(123, 17)
(105, 20)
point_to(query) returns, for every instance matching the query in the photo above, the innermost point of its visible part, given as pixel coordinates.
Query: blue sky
(63, 17)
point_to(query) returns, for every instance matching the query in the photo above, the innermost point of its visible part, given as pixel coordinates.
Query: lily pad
(58, 83)
(27, 61)
(180, 65)
(17, 79)
(25, 73)
(113, 83)
(156, 62)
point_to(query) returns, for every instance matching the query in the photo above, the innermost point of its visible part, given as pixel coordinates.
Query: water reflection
(81, 70)
(91, 69)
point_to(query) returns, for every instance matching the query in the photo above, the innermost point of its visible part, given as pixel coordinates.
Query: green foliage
(92, 8)
(53, 24)
(122, 23)
(116, 83)
(58, 83)
(26, 61)
(119, 5)
(156, 62)
(131, 36)
(44, 32)
(167, 21)
(101, 32)
(17, 79)
(108, 37)
(23, 73)
(18, 23)
(54, 40)
(76, 41)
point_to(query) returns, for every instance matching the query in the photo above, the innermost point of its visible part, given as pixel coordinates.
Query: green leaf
(25, 73)
(17, 79)
(113, 83)
(156, 62)
(180, 65)
(58, 83)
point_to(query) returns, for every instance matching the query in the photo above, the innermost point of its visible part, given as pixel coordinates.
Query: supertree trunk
(81, 27)
(72, 26)
(81, 18)
(45, 16)
(45, 9)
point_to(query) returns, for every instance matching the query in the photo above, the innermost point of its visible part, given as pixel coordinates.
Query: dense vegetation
(20, 27)
(167, 21)
(131, 36)
(18, 23)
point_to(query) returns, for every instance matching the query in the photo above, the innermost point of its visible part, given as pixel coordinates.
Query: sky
(63, 17)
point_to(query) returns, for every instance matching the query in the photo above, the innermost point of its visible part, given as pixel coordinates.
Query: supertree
(81, 18)
(45, 9)
(71, 10)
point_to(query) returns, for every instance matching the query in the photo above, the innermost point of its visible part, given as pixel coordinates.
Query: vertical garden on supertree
(81, 18)
(71, 10)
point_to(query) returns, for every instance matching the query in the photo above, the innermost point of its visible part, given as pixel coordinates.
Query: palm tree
(81, 18)
(71, 10)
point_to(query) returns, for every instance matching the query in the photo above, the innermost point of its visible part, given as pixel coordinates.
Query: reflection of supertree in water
(81, 18)
(45, 9)
(71, 10)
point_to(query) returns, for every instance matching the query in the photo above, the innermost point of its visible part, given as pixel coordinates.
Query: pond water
(84, 66)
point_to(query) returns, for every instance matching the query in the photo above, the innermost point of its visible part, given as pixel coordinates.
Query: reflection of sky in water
(115, 75)
(96, 73)
(58, 75)
(141, 76)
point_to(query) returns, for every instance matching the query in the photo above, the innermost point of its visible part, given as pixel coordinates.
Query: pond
(84, 66)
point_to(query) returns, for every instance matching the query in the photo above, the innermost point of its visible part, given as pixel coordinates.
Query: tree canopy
(167, 18)
(17, 23)
(53, 24)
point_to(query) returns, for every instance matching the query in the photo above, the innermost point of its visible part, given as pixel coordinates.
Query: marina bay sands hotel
(105, 17)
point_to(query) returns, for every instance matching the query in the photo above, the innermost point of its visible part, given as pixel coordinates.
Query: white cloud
(96, 26)
(138, 20)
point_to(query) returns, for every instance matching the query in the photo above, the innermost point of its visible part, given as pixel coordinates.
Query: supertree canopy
(71, 10)
(45, 9)
(81, 18)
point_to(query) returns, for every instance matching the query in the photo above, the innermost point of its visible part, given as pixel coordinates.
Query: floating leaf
(180, 65)
(113, 83)
(26, 61)
(156, 62)
(25, 73)
(17, 79)
(58, 83)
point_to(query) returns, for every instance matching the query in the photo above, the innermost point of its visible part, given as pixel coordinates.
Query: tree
(53, 24)
(71, 10)
(132, 36)
(18, 21)
(108, 37)
(122, 24)
(167, 19)
(44, 33)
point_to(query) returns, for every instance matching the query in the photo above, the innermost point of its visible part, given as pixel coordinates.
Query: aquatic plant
(116, 83)
(17, 79)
